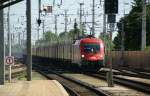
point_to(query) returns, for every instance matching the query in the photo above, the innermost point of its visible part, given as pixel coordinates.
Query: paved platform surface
(33, 88)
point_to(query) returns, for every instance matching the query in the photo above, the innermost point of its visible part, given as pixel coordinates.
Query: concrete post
(29, 52)
(2, 51)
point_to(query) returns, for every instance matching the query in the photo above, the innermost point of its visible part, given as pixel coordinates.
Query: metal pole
(2, 50)
(81, 27)
(39, 9)
(110, 73)
(9, 41)
(55, 24)
(66, 21)
(38, 32)
(104, 32)
(75, 29)
(85, 21)
(122, 44)
(23, 38)
(29, 52)
(122, 40)
(43, 28)
(93, 18)
(39, 18)
(104, 20)
(19, 38)
(143, 41)
(12, 39)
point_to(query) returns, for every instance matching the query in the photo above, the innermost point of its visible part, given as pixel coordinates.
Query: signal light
(39, 22)
(111, 6)
(111, 18)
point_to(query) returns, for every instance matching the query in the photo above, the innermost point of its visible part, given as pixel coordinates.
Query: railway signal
(111, 6)
(111, 18)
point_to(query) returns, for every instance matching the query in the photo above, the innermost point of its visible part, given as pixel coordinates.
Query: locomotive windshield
(91, 48)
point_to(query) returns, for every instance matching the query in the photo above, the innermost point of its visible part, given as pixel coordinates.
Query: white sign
(9, 60)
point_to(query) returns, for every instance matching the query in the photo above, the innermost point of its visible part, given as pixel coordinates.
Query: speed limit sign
(9, 60)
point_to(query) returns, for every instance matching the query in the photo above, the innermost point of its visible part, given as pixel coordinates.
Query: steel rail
(134, 73)
(140, 86)
(70, 90)
(88, 86)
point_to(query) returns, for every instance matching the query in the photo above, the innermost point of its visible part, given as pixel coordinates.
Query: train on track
(86, 54)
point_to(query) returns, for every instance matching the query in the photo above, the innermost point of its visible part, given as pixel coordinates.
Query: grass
(35, 76)
(147, 48)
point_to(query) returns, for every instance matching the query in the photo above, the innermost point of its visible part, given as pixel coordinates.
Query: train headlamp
(82, 56)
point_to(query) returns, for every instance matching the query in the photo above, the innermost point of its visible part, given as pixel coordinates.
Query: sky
(18, 19)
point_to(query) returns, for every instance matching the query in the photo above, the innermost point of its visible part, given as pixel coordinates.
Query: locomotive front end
(92, 54)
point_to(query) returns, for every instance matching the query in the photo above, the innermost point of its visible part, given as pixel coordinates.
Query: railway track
(137, 85)
(16, 71)
(18, 66)
(75, 87)
(133, 73)
(71, 91)
(99, 83)
(15, 74)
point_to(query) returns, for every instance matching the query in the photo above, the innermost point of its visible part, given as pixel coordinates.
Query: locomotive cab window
(91, 48)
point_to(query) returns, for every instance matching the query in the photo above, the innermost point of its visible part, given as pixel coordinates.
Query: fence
(131, 59)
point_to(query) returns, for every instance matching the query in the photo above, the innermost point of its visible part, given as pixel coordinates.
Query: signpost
(9, 60)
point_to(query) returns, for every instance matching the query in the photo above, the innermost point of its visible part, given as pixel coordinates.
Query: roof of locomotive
(91, 40)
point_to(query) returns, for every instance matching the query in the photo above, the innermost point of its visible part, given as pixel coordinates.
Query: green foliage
(108, 43)
(71, 35)
(64, 36)
(117, 41)
(147, 48)
(49, 36)
(133, 28)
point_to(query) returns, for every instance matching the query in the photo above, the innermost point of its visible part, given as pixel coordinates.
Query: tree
(106, 39)
(73, 34)
(49, 36)
(132, 28)
(64, 36)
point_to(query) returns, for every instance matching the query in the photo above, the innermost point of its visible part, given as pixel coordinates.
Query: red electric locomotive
(92, 53)
(86, 54)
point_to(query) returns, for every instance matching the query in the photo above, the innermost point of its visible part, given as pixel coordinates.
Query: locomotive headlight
(82, 56)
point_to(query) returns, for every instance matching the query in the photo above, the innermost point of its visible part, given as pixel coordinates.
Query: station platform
(33, 88)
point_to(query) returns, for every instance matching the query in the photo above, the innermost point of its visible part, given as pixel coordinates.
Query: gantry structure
(6, 3)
